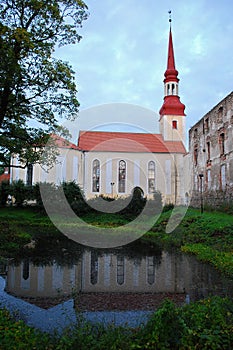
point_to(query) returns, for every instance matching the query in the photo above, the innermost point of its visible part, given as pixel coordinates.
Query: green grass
(209, 236)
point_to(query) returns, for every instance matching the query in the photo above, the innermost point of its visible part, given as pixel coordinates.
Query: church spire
(171, 72)
(172, 121)
(172, 104)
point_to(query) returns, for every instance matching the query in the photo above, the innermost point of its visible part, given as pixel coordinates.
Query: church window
(26, 269)
(121, 176)
(29, 174)
(120, 270)
(174, 124)
(150, 269)
(151, 177)
(96, 176)
(94, 268)
(222, 143)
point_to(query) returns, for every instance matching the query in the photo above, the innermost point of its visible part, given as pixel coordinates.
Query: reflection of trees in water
(62, 251)
(136, 251)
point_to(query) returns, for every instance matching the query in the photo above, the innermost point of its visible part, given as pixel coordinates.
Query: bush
(20, 192)
(4, 192)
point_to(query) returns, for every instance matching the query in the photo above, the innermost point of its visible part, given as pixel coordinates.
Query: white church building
(113, 163)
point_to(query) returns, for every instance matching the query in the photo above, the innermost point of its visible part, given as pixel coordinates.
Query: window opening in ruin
(207, 124)
(223, 177)
(220, 114)
(208, 150)
(195, 155)
(222, 143)
(208, 179)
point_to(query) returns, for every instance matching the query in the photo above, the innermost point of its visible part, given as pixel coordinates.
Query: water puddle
(120, 286)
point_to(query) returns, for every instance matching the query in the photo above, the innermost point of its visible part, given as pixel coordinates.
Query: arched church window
(120, 269)
(96, 176)
(94, 268)
(150, 269)
(26, 269)
(121, 176)
(151, 177)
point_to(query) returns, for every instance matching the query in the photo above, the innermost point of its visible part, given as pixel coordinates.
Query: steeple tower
(172, 116)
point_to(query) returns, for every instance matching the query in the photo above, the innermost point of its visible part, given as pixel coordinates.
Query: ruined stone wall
(211, 156)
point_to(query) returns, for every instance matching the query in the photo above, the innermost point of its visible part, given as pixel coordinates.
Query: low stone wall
(213, 199)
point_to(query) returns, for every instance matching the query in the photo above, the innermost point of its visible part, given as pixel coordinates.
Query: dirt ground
(111, 301)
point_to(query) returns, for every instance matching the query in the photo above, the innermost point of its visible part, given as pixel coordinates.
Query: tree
(36, 89)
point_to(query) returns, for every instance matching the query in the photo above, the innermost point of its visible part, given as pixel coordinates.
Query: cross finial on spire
(170, 16)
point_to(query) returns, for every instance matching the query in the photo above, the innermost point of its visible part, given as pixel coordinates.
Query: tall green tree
(34, 85)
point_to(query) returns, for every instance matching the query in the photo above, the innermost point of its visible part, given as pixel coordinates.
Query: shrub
(4, 191)
(20, 192)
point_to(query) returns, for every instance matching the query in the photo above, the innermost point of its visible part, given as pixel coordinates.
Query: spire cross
(170, 15)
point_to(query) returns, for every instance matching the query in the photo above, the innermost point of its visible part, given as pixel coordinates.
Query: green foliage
(33, 84)
(203, 325)
(168, 207)
(208, 235)
(16, 335)
(165, 329)
(4, 191)
(20, 192)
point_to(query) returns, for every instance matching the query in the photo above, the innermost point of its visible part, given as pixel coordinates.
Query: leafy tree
(36, 89)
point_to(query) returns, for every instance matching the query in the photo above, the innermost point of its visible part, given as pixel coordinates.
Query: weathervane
(170, 16)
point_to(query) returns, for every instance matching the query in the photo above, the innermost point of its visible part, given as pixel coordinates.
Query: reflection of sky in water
(63, 315)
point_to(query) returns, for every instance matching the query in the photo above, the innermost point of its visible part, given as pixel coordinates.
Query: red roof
(62, 143)
(127, 142)
(4, 177)
(172, 106)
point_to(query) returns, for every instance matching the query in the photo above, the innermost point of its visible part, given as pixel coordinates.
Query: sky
(122, 58)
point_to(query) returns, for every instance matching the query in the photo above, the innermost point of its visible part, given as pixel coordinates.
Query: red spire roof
(171, 72)
(172, 104)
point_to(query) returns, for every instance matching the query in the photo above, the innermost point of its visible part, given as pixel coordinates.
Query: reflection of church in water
(112, 272)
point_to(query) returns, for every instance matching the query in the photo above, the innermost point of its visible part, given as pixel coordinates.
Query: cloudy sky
(123, 54)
